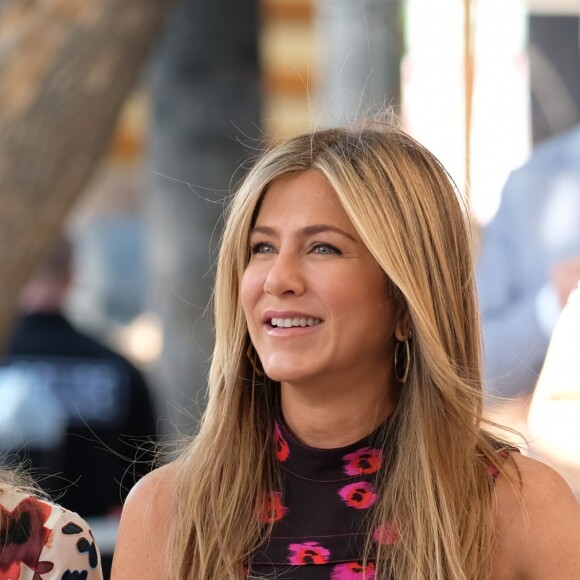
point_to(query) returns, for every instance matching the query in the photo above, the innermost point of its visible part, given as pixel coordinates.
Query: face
(316, 302)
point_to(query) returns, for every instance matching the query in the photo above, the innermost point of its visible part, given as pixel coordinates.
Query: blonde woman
(40, 540)
(342, 438)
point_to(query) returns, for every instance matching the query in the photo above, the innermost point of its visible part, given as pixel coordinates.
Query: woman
(342, 438)
(40, 540)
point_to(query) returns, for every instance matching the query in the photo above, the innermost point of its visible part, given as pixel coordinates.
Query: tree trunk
(65, 68)
(206, 110)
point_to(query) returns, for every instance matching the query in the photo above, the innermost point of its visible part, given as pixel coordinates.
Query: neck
(332, 418)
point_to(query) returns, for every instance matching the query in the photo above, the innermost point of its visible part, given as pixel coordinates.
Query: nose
(285, 276)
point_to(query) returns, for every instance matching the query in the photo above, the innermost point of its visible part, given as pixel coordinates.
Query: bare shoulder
(537, 522)
(145, 526)
(155, 490)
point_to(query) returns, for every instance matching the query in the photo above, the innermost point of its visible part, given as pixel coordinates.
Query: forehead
(302, 198)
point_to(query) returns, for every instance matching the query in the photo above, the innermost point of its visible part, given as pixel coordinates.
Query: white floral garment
(40, 540)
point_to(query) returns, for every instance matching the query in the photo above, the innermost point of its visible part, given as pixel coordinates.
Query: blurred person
(100, 397)
(40, 539)
(343, 436)
(529, 263)
(554, 417)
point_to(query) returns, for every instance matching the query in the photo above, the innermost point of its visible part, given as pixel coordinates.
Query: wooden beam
(287, 82)
(302, 10)
(468, 73)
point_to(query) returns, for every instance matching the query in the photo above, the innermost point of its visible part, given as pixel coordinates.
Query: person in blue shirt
(529, 262)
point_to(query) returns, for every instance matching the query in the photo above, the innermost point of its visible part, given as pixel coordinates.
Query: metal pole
(468, 66)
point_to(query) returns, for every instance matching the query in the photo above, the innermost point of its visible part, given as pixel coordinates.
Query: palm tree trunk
(65, 69)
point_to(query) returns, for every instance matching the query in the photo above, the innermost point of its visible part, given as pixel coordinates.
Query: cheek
(250, 292)
(364, 295)
(370, 309)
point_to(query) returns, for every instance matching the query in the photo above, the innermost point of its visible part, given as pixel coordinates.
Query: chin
(283, 377)
(283, 374)
(290, 367)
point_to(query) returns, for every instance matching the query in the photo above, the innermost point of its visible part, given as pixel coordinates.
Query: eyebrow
(307, 231)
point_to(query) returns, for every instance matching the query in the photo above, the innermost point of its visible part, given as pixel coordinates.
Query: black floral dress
(319, 519)
(320, 523)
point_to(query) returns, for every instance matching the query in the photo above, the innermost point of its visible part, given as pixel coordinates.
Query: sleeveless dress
(320, 515)
(319, 528)
(40, 540)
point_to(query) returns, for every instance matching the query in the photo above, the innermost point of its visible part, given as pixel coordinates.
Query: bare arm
(140, 551)
(555, 409)
(538, 533)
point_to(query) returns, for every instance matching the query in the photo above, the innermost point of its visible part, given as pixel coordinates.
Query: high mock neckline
(329, 464)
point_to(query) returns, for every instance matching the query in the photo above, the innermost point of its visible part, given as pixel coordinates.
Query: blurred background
(125, 126)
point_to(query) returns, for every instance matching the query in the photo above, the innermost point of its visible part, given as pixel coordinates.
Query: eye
(261, 248)
(324, 248)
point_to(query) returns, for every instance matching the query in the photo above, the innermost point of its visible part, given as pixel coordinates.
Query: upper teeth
(288, 322)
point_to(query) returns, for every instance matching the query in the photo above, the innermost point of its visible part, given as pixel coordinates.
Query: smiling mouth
(290, 322)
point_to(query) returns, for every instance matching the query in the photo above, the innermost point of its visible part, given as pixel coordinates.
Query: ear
(403, 324)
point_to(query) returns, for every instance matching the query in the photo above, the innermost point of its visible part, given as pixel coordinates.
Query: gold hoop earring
(403, 363)
(254, 360)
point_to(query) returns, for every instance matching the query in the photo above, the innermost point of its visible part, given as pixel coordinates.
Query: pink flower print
(359, 495)
(386, 534)
(492, 468)
(282, 447)
(363, 461)
(353, 571)
(307, 553)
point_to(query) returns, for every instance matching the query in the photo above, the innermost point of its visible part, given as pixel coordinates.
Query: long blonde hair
(406, 210)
